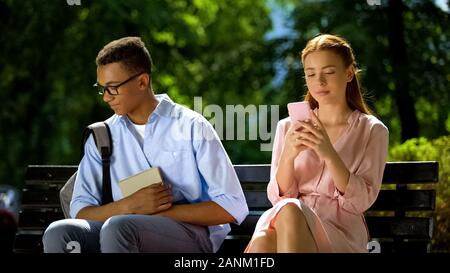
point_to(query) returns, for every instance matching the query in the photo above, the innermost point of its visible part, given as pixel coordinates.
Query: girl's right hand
(292, 147)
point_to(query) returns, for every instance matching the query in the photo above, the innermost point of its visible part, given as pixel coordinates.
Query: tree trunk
(403, 99)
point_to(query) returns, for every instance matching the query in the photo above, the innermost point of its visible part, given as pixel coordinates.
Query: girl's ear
(350, 73)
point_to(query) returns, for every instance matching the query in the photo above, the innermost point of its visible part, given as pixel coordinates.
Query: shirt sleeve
(87, 186)
(273, 191)
(365, 183)
(217, 171)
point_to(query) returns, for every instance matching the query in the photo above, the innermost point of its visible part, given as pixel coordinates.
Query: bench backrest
(388, 219)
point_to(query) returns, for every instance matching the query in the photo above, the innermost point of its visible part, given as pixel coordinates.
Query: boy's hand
(150, 200)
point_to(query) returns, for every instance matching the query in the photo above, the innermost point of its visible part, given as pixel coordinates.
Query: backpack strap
(103, 141)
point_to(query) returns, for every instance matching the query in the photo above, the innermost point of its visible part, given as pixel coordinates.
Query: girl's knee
(263, 242)
(291, 213)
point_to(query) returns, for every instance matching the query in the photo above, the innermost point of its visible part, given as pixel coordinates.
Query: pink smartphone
(299, 110)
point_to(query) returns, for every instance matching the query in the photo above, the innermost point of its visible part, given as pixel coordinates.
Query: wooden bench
(389, 220)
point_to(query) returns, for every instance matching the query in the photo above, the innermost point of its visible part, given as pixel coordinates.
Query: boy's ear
(144, 80)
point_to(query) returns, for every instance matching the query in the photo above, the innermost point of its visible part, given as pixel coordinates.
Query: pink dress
(335, 220)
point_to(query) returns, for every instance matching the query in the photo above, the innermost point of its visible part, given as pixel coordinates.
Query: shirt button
(174, 154)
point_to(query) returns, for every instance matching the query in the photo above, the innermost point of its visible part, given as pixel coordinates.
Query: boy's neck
(140, 115)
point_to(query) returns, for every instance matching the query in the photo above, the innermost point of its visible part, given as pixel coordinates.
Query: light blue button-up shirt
(184, 145)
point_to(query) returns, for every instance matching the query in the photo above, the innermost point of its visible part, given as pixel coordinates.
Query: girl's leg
(293, 233)
(264, 242)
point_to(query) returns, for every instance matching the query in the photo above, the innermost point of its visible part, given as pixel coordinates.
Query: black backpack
(103, 141)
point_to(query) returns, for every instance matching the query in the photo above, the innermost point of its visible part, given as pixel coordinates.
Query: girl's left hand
(315, 137)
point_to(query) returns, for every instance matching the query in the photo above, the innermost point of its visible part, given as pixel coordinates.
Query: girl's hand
(315, 137)
(292, 146)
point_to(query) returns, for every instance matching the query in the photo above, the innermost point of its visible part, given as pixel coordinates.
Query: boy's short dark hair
(130, 51)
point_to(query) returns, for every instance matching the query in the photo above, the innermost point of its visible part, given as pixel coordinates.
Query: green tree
(213, 49)
(387, 84)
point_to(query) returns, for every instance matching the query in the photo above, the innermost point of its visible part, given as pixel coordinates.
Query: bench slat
(253, 173)
(410, 172)
(411, 200)
(379, 227)
(395, 172)
(50, 172)
(39, 218)
(28, 242)
(247, 226)
(49, 198)
(257, 200)
(404, 227)
(388, 200)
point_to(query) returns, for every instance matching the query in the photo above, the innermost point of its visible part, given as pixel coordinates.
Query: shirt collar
(163, 109)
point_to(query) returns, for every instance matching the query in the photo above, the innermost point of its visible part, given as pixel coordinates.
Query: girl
(327, 171)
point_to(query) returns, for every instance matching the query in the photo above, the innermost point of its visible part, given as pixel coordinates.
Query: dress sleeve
(365, 183)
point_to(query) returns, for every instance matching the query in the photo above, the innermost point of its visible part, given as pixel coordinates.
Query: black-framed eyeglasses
(113, 90)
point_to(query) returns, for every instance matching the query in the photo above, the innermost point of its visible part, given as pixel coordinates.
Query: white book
(140, 180)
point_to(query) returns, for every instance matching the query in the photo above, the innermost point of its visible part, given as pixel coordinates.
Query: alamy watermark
(73, 2)
(374, 2)
(374, 247)
(235, 122)
(73, 247)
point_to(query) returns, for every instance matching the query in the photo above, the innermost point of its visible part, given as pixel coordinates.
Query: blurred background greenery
(228, 52)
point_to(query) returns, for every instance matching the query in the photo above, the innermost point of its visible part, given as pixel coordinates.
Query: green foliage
(213, 49)
(208, 48)
(436, 150)
(414, 149)
(366, 27)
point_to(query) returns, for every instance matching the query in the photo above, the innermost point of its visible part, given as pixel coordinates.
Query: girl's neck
(333, 114)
